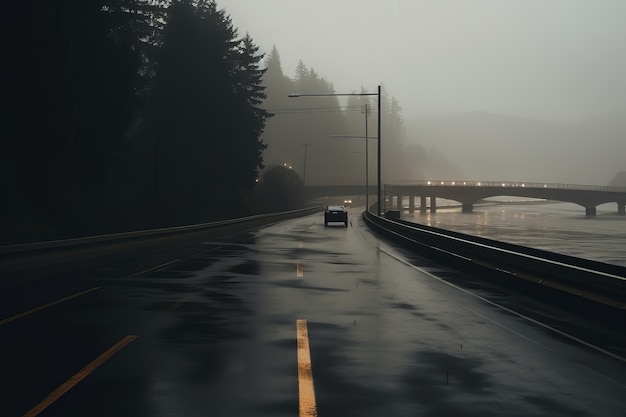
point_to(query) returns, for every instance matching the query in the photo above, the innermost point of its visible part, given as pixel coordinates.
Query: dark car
(336, 214)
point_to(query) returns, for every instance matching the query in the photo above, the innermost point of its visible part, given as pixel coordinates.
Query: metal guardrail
(601, 283)
(72, 253)
(520, 184)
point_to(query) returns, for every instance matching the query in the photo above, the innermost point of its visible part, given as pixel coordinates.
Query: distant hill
(619, 180)
(490, 146)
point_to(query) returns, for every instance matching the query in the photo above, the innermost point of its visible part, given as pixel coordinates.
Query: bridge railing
(521, 184)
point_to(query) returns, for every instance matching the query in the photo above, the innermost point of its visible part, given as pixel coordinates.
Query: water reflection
(552, 226)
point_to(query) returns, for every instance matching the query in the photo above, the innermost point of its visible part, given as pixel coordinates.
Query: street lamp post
(367, 174)
(377, 93)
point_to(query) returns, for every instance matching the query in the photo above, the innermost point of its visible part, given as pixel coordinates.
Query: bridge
(469, 193)
(340, 191)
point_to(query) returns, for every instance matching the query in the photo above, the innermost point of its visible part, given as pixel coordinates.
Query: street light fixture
(377, 93)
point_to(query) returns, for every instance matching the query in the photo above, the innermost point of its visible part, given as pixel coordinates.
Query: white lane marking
(43, 307)
(154, 268)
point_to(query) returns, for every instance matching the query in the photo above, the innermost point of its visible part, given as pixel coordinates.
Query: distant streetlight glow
(380, 194)
(367, 175)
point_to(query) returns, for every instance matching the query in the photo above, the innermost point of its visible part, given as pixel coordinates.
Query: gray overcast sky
(561, 60)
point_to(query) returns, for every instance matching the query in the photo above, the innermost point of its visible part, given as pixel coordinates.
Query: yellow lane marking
(153, 268)
(299, 270)
(70, 383)
(305, 373)
(36, 309)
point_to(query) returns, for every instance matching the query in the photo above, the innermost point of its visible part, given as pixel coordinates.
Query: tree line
(127, 114)
(132, 114)
(316, 129)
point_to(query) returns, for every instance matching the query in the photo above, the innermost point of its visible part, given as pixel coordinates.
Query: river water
(552, 226)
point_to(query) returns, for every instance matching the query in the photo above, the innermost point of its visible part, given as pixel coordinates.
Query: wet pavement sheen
(215, 335)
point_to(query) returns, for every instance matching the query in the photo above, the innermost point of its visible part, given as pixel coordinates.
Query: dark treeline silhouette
(306, 126)
(619, 180)
(203, 124)
(280, 188)
(133, 114)
(126, 114)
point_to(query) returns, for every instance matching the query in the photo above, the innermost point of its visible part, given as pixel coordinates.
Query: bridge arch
(469, 193)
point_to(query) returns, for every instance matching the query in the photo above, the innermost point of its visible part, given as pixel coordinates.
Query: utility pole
(367, 187)
(380, 184)
(378, 93)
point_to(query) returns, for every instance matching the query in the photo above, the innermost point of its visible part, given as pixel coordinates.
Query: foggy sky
(555, 60)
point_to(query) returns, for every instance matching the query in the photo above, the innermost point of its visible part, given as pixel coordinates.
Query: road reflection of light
(557, 227)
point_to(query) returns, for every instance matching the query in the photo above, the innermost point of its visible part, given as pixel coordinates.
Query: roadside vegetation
(135, 114)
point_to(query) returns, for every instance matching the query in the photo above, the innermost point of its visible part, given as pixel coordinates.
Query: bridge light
(479, 184)
(441, 182)
(545, 185)
(503, 184)
(428, 182)
(464, 183)
(452, 182)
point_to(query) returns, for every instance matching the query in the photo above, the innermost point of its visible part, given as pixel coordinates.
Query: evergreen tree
(302, 76)
(396, 124)
(281, 133)
(280, 189)
(249, 88)
(281, 85)
(204, 118)
(394, 156)
(73, 70)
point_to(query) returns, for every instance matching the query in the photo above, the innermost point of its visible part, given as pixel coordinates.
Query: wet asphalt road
(210, 330)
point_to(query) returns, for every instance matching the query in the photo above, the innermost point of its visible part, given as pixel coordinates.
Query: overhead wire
(317, 110)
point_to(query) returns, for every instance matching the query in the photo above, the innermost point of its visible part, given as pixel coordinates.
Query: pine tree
(281, 85)
(249, 79)
(205, 118)
(302, 77)
(74, 69)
